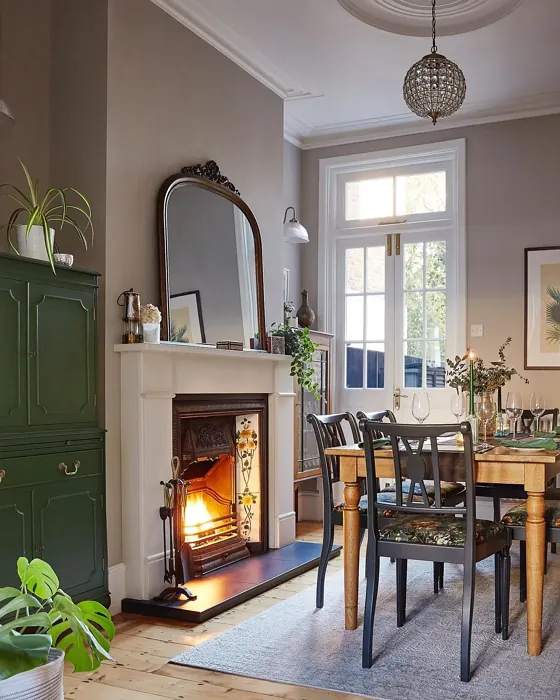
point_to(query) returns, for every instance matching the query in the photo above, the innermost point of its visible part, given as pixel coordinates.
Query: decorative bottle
(472, 419)
(305, 314)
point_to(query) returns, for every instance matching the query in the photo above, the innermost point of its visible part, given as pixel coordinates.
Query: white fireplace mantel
(151, 376)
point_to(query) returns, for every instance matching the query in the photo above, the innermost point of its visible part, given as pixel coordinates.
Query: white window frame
(448, 155)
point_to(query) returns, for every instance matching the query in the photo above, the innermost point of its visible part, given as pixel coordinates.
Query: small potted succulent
(39, 627)
(40, 213)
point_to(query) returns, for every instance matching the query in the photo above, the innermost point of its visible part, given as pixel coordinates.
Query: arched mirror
(210, 257)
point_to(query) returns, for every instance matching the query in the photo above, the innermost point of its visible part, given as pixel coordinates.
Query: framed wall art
(542, 308)
(186, 323)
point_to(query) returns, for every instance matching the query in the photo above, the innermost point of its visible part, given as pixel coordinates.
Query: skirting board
(117, 587)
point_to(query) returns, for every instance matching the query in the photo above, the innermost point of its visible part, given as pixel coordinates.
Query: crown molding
(405, 124)
(227, 41)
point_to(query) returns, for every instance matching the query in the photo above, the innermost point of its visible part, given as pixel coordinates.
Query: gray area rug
(295, 643)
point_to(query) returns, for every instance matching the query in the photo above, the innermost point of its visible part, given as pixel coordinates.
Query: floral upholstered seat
(443, 530)
(517, 516)
(448, 488)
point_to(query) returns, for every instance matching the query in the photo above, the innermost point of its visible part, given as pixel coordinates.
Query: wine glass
(537, 407)
(514, 408)
(421, 406)
(458, 405)
(485, 411)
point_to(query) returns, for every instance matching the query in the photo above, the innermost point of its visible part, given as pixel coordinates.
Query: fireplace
(219, 447)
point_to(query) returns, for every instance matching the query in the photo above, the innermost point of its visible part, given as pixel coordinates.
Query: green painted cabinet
(13, 353)
(52, 473)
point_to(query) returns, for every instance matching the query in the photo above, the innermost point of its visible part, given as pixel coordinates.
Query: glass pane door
(365, 369)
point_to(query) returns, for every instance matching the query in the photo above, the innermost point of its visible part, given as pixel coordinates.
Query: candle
(499, 399)
(471, 382)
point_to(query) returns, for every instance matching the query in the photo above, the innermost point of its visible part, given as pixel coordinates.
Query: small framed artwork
(542, 308)
(286, 284)
(185, 322)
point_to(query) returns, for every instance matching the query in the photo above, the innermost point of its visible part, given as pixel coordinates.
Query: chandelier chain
(434, 46)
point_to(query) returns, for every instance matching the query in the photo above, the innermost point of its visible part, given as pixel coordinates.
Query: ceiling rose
(408, 17)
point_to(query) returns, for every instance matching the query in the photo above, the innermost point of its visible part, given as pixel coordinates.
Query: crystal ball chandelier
(434, 87)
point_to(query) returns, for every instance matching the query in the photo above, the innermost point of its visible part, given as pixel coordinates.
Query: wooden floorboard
(143, 646)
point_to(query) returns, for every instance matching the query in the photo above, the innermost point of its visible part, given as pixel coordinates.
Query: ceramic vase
(305, 314)
(33, 245)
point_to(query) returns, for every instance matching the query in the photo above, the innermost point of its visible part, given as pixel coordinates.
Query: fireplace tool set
(178, 558)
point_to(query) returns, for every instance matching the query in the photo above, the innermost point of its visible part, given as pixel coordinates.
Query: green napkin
(540, 434)
(541, 443)
(377, 444)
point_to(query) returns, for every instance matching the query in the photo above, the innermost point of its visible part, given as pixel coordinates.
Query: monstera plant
(39, 617)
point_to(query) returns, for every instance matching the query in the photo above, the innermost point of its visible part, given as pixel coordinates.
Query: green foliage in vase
(553, 316)
(486, 378)
(300, 346)
(47, 210)
(39, 615)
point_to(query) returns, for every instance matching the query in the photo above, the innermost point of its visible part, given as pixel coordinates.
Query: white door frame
(453, 153)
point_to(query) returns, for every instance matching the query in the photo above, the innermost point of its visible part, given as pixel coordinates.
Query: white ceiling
(342, 78)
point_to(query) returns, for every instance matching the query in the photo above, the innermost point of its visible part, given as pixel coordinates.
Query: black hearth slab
(225, 588)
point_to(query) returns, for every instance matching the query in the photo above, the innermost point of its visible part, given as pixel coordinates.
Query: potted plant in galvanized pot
(39, 627)
(41, 213)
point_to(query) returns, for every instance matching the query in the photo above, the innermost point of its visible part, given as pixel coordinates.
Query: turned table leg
(351, 532)
(536, 545)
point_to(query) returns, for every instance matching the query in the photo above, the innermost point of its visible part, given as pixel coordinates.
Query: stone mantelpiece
(151, 376)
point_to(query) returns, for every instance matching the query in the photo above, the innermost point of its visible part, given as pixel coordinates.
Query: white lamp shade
(294, 232)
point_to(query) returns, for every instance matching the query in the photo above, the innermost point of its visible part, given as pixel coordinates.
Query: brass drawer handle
(2, 475)
(64, 467)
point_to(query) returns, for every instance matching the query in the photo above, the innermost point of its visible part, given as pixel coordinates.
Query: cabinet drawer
(42, 469)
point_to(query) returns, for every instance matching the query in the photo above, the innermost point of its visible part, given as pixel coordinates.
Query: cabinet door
(309, 463)
(69, 531)
(13, 353)
(62, 364)
(15, 529)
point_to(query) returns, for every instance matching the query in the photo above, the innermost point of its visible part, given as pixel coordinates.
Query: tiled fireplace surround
(151, 376)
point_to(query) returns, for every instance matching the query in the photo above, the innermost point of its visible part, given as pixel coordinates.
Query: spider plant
(46, 210)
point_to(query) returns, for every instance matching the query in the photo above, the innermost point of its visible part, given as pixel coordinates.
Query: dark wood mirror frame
(208, 177)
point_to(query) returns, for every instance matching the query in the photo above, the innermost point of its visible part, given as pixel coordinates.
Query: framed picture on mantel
(186, 324)
(542, 308)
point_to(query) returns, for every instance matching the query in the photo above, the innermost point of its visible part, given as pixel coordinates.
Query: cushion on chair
(448, 488)
(517, 516)
(444, 530)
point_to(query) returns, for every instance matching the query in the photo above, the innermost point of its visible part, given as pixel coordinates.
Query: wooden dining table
(500, 465)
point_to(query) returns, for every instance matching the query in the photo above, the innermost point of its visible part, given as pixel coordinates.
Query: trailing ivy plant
(300, 346)
(40, 616)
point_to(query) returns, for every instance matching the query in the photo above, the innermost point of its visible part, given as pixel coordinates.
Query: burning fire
(197, 518)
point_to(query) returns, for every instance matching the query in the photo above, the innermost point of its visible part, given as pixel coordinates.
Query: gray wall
(24, 81)
(292, 252)
(173, 101)
(513, 176)
(203, 256)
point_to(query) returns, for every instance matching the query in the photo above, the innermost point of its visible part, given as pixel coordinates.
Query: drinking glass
(421, 406)
(485, 411)
(458, 405)
(537, 406)
(514, 408)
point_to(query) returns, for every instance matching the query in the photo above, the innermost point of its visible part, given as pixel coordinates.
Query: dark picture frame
(541, 324)
(192, 319)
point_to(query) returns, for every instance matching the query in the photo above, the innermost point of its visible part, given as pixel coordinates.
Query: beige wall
(513, 202)
(173, 101)
(24, 84)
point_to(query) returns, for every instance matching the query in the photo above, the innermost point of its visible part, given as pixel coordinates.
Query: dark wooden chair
(430, 531)
(498, 491)
(330, 432)
(516, 519)
(453, 493)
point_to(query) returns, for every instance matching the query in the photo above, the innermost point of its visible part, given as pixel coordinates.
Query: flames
(197, 517)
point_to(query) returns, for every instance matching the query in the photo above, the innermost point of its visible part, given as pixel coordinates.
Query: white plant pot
(33, 246)
(42, 683)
